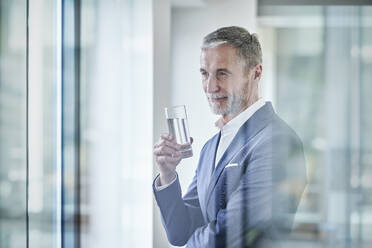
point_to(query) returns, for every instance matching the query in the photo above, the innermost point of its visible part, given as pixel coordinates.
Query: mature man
(250, 175)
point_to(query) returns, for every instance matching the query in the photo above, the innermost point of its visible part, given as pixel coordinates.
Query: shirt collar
(239, 120)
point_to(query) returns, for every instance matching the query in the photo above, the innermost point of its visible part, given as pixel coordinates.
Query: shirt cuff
(159, 187)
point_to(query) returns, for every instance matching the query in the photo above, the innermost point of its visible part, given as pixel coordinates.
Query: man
(250, 175)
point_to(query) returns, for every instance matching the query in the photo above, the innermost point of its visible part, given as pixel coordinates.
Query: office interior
(84, 84)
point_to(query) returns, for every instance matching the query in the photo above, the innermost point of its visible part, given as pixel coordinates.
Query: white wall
(189, 26)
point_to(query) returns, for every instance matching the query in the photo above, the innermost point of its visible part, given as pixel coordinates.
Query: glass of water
(178, 127)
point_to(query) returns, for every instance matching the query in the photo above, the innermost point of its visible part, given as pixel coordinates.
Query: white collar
(238, 121)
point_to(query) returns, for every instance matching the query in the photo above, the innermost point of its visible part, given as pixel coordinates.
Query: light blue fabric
(239, 205)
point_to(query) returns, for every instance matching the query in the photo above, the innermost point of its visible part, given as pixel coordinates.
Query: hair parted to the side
(247, 45)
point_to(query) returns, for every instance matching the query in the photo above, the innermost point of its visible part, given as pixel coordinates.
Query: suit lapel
(211, 151)
(209, 156)
(248, 130)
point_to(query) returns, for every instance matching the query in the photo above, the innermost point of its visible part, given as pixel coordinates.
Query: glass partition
(364, 173)
(12, 124)
(318, 64)
(44, 182)
(116, 97)
(89, 73)
(89, 112)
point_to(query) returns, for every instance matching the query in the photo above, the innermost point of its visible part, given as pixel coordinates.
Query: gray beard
(235, 103)
(233, 106)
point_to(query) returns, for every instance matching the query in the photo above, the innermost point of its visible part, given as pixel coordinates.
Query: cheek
(240, 86)
(228, 86)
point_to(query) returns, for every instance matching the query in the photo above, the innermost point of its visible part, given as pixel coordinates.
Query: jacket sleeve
(180, 216)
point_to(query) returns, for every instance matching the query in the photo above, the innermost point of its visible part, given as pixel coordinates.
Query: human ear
(257, 72)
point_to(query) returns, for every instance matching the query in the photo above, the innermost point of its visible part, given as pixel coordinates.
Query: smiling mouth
(219, 99)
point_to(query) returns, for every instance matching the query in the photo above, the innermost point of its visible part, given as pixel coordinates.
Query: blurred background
(84, 83)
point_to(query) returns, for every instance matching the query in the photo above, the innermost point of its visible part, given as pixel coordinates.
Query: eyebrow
(218, 70)
(224, 70)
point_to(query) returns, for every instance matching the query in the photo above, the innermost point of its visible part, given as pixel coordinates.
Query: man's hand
(168, 155)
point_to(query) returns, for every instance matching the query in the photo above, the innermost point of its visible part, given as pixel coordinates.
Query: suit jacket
(249, 198)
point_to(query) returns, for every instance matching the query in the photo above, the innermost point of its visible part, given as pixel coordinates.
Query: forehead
(222, 55)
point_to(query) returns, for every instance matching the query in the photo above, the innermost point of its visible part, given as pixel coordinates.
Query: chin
(219, 110)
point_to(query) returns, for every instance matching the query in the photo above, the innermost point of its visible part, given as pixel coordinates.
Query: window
(317, 57)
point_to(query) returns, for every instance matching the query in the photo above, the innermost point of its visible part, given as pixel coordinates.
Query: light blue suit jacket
(251, 195)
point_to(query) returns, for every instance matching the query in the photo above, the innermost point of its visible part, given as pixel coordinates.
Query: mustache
(216, 95)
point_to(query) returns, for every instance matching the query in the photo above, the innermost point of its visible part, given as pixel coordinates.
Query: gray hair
(247, 46)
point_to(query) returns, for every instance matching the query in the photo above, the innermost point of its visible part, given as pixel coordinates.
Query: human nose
(211, 85)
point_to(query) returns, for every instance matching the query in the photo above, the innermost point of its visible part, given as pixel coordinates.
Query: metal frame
(70, 109)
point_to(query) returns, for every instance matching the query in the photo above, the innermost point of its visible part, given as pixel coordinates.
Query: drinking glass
(178, 127)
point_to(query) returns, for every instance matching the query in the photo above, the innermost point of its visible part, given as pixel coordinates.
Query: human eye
(204, 74)
(222, 74)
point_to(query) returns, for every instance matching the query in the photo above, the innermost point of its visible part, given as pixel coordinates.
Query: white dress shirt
(228, 132)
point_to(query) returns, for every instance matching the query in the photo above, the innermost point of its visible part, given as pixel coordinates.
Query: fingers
(166, 150)
(166, 146)
(168, 160)
(167, 136)
(167, 140)
(170, 138)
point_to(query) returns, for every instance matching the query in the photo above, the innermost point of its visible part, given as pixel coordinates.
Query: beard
(231, 106)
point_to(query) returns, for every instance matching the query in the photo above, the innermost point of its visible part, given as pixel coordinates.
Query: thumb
(191, 140)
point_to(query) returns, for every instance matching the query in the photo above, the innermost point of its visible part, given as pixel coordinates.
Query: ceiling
(187, 3)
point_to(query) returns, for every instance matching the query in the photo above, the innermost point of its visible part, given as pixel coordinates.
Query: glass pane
(12, 123)
(321, 74)
(116, 123)
(365, 173)
(44, 183)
